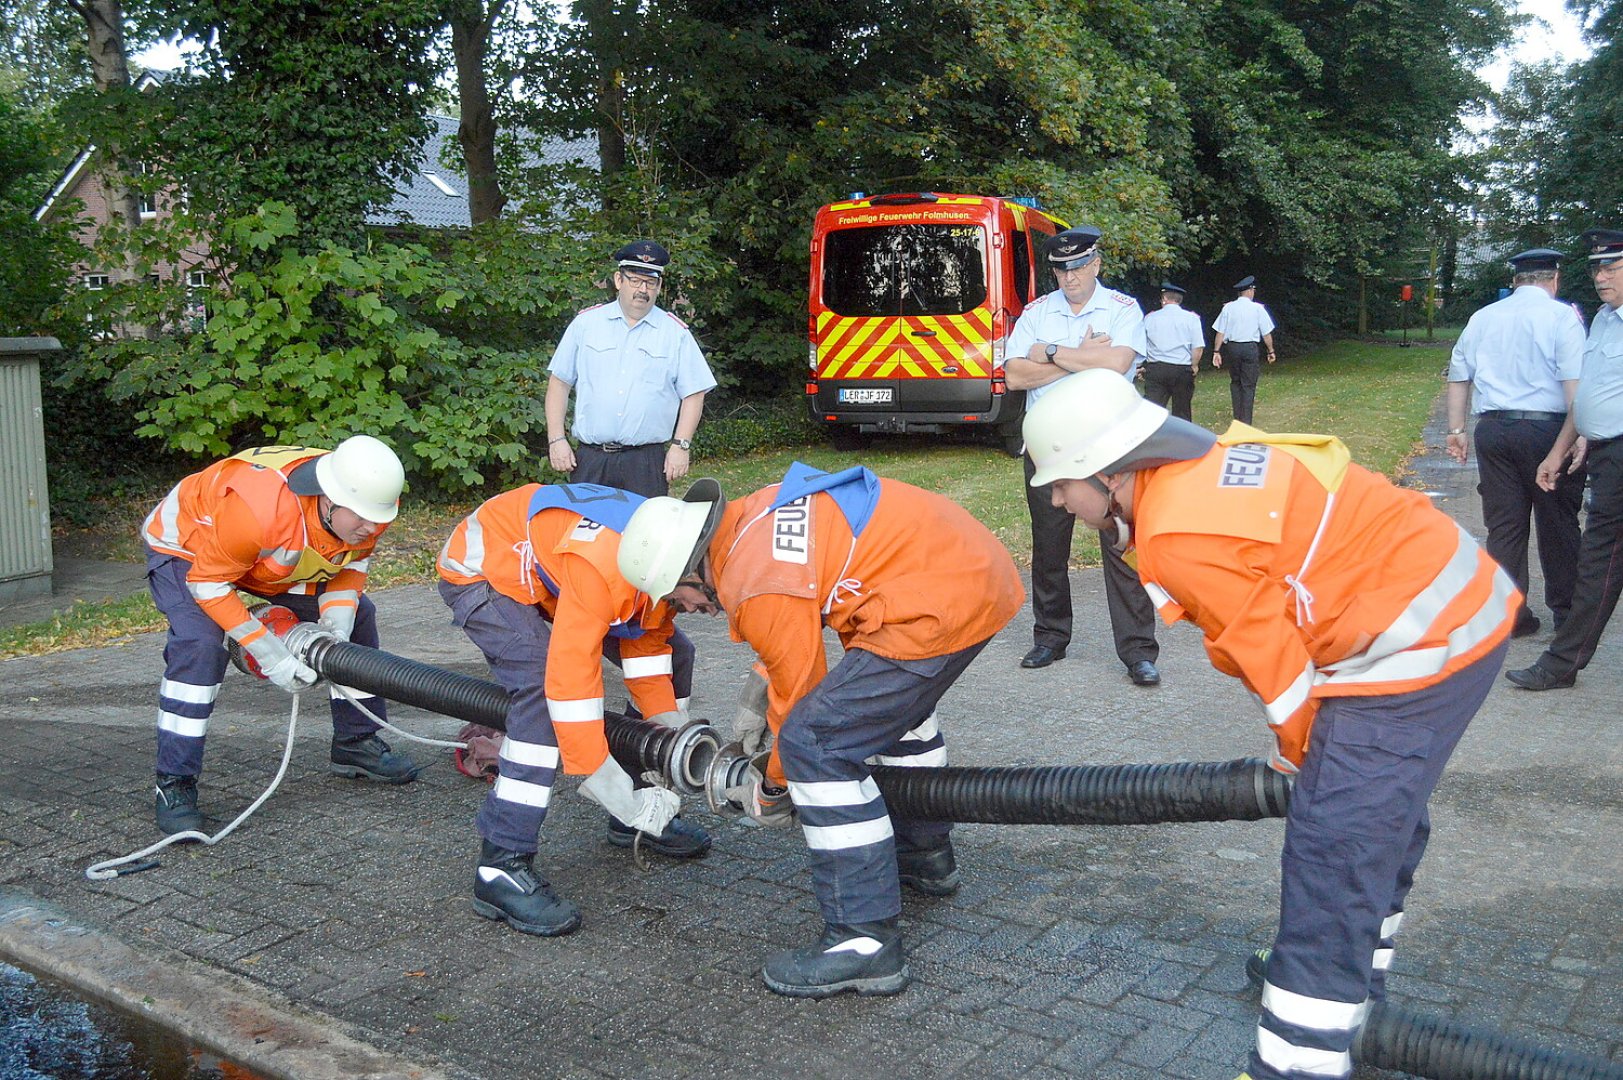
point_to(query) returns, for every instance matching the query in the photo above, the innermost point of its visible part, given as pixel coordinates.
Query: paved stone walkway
(1074, 952)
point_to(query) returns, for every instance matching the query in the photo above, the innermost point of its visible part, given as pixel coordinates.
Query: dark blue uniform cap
(1604, 245)
(1167, 286)
(1247, 282)
(1537, 259)
(1073, 248)
(644, 256)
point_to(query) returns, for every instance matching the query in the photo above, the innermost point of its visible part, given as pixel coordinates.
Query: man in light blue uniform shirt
(639, 382)
(1596, 419)
(1521, 357)
(1246, 328)
(1174, 340)
(1078, 326)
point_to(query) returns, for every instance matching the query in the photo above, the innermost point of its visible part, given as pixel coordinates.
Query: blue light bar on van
(904, 198)
(1024, 200)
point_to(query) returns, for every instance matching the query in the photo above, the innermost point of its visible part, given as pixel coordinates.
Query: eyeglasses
(1604, 266)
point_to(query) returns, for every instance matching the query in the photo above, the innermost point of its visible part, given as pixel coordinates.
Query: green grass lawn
(1375, 395)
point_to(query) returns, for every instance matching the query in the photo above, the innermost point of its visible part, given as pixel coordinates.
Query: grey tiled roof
(422, 202)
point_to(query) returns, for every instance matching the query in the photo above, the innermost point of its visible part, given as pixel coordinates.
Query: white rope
(381, 722)
(106, 871)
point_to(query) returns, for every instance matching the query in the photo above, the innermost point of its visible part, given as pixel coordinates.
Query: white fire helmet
(364, 476)
(1094, 422)
(666, 537)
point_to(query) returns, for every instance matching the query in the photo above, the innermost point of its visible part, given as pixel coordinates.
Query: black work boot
(175, 804)
(368, 757)
(931, 870)
(1256, 967)
(679, 840)
(506, 887)
(865, 957)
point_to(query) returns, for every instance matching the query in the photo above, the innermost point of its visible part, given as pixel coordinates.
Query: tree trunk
(609, 31)
(470, 39)
(110, 68)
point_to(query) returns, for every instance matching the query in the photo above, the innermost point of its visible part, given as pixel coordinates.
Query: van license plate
(867, 395)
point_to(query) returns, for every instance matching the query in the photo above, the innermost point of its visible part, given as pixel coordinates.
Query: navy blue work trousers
(1355, 832)
(194, 659)
(514, 638)
(868, 710)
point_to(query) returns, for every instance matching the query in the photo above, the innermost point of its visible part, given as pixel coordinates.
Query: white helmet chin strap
(1124, 535)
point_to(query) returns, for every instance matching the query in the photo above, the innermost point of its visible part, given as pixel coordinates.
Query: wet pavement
(1070, 951)
(52, 1033)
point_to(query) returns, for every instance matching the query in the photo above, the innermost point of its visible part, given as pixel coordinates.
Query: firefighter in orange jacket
(291, 524)
(531, 578)
(915, 588)
(1368, 624)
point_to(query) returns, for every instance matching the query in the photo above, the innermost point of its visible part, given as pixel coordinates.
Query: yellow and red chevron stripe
(885, 347)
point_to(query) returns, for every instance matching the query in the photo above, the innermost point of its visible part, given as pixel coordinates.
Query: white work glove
(340, 618)
(647, 809)
(292, 674)
(280, 666)
(764, 804)
(676, 719)
(749, 724)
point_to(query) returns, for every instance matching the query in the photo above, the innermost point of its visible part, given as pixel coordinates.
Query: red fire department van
(912, 299)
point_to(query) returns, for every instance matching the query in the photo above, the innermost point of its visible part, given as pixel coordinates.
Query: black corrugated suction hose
(1435, 1047)
(1243, 790)
(638, 745)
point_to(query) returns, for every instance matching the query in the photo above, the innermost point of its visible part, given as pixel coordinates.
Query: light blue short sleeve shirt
(1243, 319)
(1517, 352)
(1597, 409)
(629, 381)
(1051, 321)
(1172, 334)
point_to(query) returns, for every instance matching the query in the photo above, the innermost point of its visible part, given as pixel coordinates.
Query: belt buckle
(612, 447)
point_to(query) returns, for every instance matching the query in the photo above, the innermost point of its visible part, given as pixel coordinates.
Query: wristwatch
(1050, 351)
(1456, 431)
(682, 444)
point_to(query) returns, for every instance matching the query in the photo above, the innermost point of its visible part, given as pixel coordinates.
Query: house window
(96, 282)
(197, 314)
(149, 199)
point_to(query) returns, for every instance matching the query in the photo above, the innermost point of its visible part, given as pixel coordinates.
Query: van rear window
(905, 270)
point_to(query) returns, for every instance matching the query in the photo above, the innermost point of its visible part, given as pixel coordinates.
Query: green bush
(734, 427)
(420, 349)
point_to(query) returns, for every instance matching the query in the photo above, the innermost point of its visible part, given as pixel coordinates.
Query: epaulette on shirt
(593, 307)
(1123, 298)
(672, 316)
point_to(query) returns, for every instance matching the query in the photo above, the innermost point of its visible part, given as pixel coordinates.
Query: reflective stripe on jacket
(1303, 593)
(526, 557)
(240, 526)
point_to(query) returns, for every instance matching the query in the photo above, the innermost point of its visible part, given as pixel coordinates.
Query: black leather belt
(1520, 414)
(616, 447)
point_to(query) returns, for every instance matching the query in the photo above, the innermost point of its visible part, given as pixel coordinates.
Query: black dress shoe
(1541, 678)
(1526, 626)
(1041, 656)
(1143, 673)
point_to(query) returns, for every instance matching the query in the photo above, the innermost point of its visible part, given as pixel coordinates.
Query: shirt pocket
(654, 370)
